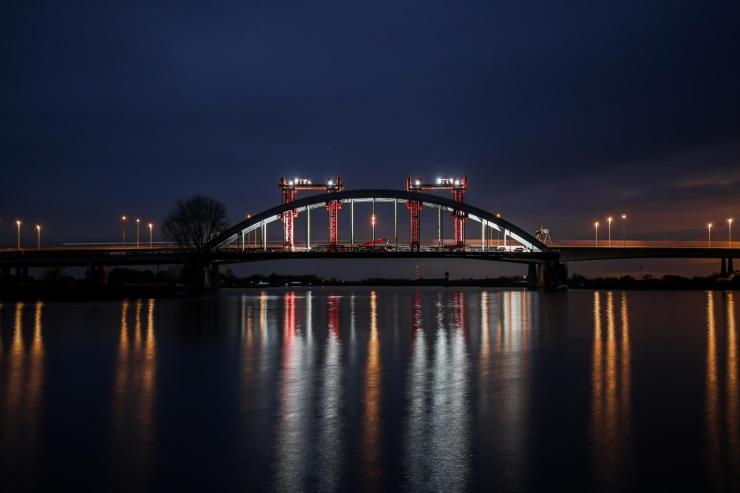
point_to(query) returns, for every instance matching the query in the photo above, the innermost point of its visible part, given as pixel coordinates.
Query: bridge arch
(487, 219)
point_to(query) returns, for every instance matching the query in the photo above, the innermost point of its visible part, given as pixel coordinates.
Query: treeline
(649, 282)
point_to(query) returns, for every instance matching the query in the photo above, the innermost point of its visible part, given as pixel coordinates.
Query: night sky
(559, 113)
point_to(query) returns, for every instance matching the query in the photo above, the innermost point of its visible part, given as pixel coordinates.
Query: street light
(18, 234)
(138, 224)
(150, 234)
(624, 228)
(372, 221)
(123, 227)
(38, 237)
(609, 220)
(729, 233)
(249, 216)
(596, 227)
(709, 235)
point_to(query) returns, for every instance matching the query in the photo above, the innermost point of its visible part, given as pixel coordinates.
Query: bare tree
(193, 222)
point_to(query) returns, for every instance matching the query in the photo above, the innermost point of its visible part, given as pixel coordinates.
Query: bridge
(491, 238)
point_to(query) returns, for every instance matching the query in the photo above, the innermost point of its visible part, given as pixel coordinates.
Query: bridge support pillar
(723, 268)
(547, 275)
(194, 273)
(730, 266)
(213, 276)
(21, 273)
(97, 274)
(532, 276)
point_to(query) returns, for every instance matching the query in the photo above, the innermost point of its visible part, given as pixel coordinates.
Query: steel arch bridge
(515, 239)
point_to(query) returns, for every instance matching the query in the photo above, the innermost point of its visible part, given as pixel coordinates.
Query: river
(373, 389)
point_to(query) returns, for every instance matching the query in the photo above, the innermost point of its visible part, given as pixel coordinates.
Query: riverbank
(86, 292)
(76, 290)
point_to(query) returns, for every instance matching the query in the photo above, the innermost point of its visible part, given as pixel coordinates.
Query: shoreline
(81, 291)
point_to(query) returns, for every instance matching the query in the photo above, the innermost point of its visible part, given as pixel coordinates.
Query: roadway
(163, 253)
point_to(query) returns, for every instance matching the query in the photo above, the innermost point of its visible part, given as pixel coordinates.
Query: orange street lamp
(123, 227)
(596, 227)
(150, 234)
(138, 225)
(249, 216)
(18, 234)
(624, 230)
(709, 235)
(729, 233)
(38, 237)
(609, 220)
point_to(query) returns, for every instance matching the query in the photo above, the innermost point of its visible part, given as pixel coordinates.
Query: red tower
(333, 207)
(458, 187)
(414, 207)
(290, 188)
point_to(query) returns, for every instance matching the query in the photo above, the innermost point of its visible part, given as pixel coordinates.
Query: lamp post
(18, 234)
(624, 230)
(38, 237)
(150, 234)
(609, 221)
(729, 233)
(248, 216)
(123, 228)
(138, 227)
(709, 235)
(596, 227)
(372, 222)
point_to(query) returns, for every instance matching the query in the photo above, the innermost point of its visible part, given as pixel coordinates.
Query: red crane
(290, 188)
(458, 187)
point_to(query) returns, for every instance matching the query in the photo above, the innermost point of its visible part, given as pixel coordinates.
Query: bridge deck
(168, 254)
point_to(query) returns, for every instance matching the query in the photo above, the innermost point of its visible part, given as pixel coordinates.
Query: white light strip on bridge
(318, 205)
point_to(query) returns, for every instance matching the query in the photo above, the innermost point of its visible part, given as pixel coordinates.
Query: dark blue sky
(558, 112)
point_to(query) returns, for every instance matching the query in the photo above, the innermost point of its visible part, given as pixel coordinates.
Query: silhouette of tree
(192, 222)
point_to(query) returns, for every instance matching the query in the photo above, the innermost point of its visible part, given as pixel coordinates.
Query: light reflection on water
(22, 372)
(371, 389)
(611, 425)
(371, 420)
(134, 391)
(721, 403)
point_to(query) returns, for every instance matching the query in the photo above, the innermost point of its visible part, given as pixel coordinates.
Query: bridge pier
(21, 273)
(97, 274)
(723, 267)
(194, 273)
(532, 276)
(730, 266)
(547, 275)
(213, 276)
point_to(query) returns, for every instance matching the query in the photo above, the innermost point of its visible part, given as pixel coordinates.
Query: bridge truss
(511, 237)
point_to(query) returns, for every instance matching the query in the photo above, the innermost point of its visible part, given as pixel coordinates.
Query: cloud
(710, 181)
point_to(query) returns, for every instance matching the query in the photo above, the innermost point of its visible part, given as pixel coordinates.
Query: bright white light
(331, 182)
(439, 181)
(457, 182)
(290, 183)
(417, 183)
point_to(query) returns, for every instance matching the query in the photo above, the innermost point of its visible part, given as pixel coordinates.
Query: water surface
(344, 389)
